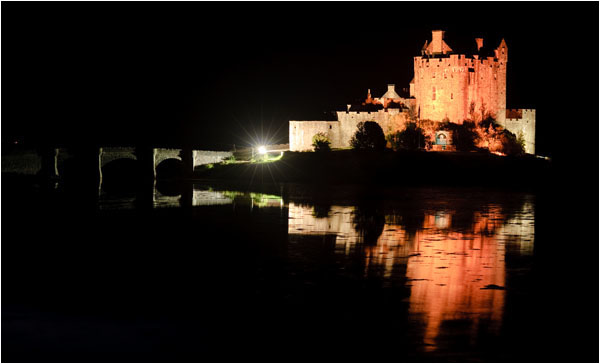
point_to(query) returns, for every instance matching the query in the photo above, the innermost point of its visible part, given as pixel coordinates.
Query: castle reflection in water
(455, 272)
(449, 253)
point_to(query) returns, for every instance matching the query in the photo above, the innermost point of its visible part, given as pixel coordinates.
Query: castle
(446, 87)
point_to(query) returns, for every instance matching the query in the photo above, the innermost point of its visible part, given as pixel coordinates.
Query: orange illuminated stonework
(457, 87)
(447, 86)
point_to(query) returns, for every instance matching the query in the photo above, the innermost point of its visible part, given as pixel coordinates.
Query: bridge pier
(187, 157)
(49, 165)
(146, 189)
(100, 150)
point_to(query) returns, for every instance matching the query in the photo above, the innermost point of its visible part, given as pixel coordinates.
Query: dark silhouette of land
(390, 168)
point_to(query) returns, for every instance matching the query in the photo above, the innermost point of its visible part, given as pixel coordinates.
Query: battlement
(456, 60)
(391, 111)
(519, 114)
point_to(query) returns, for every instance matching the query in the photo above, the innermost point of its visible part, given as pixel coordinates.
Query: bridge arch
(117, 161)
(168, 162)
(110, 154)
(162, 154)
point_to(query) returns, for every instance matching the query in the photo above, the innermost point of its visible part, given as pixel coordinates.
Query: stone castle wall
(525, 125)
(340, 132)
(302, 132)
(390, 120)
(445, 87)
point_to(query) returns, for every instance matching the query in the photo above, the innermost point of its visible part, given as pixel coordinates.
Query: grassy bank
(388, 168)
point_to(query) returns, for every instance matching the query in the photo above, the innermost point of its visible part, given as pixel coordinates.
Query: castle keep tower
(457, 87)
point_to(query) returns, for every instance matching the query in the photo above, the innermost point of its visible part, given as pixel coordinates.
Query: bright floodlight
(262, 150)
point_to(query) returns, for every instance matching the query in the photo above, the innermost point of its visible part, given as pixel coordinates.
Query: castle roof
(390, 94)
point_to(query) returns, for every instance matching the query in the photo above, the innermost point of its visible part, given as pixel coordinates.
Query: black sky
(207, 73)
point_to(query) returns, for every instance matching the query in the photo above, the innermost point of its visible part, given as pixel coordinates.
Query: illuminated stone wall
(340, 132)
(302, 132)
(524, 123)
(447, 86)
(202, 157)
(390, 120)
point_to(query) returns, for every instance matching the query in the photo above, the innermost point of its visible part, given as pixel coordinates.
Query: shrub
(229, 160)
(321, 142)
(464, 135)
(511, 144)
(411, 138)
(369, 135)
(488, 122)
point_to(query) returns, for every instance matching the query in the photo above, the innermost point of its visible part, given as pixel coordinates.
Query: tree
(511, 144)
(464, 135)
(321, 142)
(369, 135)
(489, 121)
(411, 138)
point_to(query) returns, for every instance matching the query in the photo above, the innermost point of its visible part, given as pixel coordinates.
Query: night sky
(210, 74)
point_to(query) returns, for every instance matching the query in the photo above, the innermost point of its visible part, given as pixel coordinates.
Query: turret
(502, 51)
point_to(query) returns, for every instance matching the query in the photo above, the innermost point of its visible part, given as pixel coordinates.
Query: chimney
(479, 42)
(391, 87)
(437, 39)
(348, 107)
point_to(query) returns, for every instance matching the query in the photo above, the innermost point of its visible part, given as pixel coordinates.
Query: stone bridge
(30, 162)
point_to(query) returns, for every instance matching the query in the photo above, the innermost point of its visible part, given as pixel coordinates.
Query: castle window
(433, 76)
(445, 75)
(451, 96)
(433, 95)
(329, 126)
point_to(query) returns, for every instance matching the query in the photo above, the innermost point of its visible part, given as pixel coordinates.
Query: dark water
(296, 273)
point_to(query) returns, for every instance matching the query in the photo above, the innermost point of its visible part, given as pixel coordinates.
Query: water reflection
(452, 261)
(173, 197)
(447, 251)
